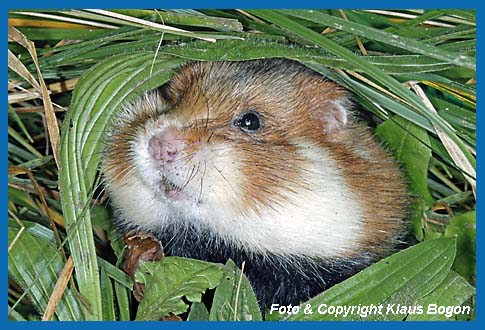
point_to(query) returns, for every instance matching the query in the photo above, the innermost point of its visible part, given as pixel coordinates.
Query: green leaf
(21, 198)
(237, 50)
(64, 53)
(453, 291)
(123, 296)
(402, 278)
(198, 312)
(107, 296)
(35, 263)
(100, 217)
(115, 273)
(234, 299)
(169, 280)
(463, 227)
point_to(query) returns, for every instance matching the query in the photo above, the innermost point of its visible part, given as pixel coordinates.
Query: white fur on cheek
(138, 205)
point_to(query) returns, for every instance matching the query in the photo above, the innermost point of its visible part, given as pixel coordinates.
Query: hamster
(258, 161)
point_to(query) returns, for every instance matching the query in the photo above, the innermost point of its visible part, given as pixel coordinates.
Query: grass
(412, 73)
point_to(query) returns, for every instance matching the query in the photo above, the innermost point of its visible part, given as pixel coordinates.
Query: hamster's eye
(248, 121)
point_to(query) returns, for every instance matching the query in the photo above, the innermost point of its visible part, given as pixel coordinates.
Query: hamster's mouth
(172, 191)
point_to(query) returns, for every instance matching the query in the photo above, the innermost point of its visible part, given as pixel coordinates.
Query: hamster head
(254, 152)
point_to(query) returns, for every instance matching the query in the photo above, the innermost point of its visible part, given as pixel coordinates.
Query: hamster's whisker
(126, 173)
(173, 236)
(211, 135)
(100, 194)
(186, 159)
(177, 139)
(208, 110)
(225, 179)
(202, 181)
(190, 177)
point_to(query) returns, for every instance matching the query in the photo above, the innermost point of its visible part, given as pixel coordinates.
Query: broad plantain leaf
(198, 312)
(234, 299)
(402, 278)
(463, 226)
(453, 291)
(169, 280)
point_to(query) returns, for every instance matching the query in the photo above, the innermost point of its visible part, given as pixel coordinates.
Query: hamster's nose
(166, 145)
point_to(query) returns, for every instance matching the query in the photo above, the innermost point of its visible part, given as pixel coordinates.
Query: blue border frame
(381, 4)
(221, 4)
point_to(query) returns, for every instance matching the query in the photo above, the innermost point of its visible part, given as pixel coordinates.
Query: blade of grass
(197, 20)
(66, 19)
(455, 152)
(384, 37)
(147, 24)
(108, 301)
(375, 97)
(16, 65)
(14, 134)
(123, 301)
(51, 120)
(19, 155)
(12, 113)
(58, 291)
(42, 34)
(384, 79)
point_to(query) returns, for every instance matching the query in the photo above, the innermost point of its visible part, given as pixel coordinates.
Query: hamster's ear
(329, 103)
(165, 93)
(333, 115)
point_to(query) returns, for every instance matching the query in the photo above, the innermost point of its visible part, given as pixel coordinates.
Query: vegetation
(413, 76)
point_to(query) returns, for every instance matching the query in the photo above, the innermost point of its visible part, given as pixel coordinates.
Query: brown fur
(294, 103)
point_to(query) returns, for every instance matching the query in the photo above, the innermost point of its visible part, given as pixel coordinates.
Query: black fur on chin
(275, 279)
